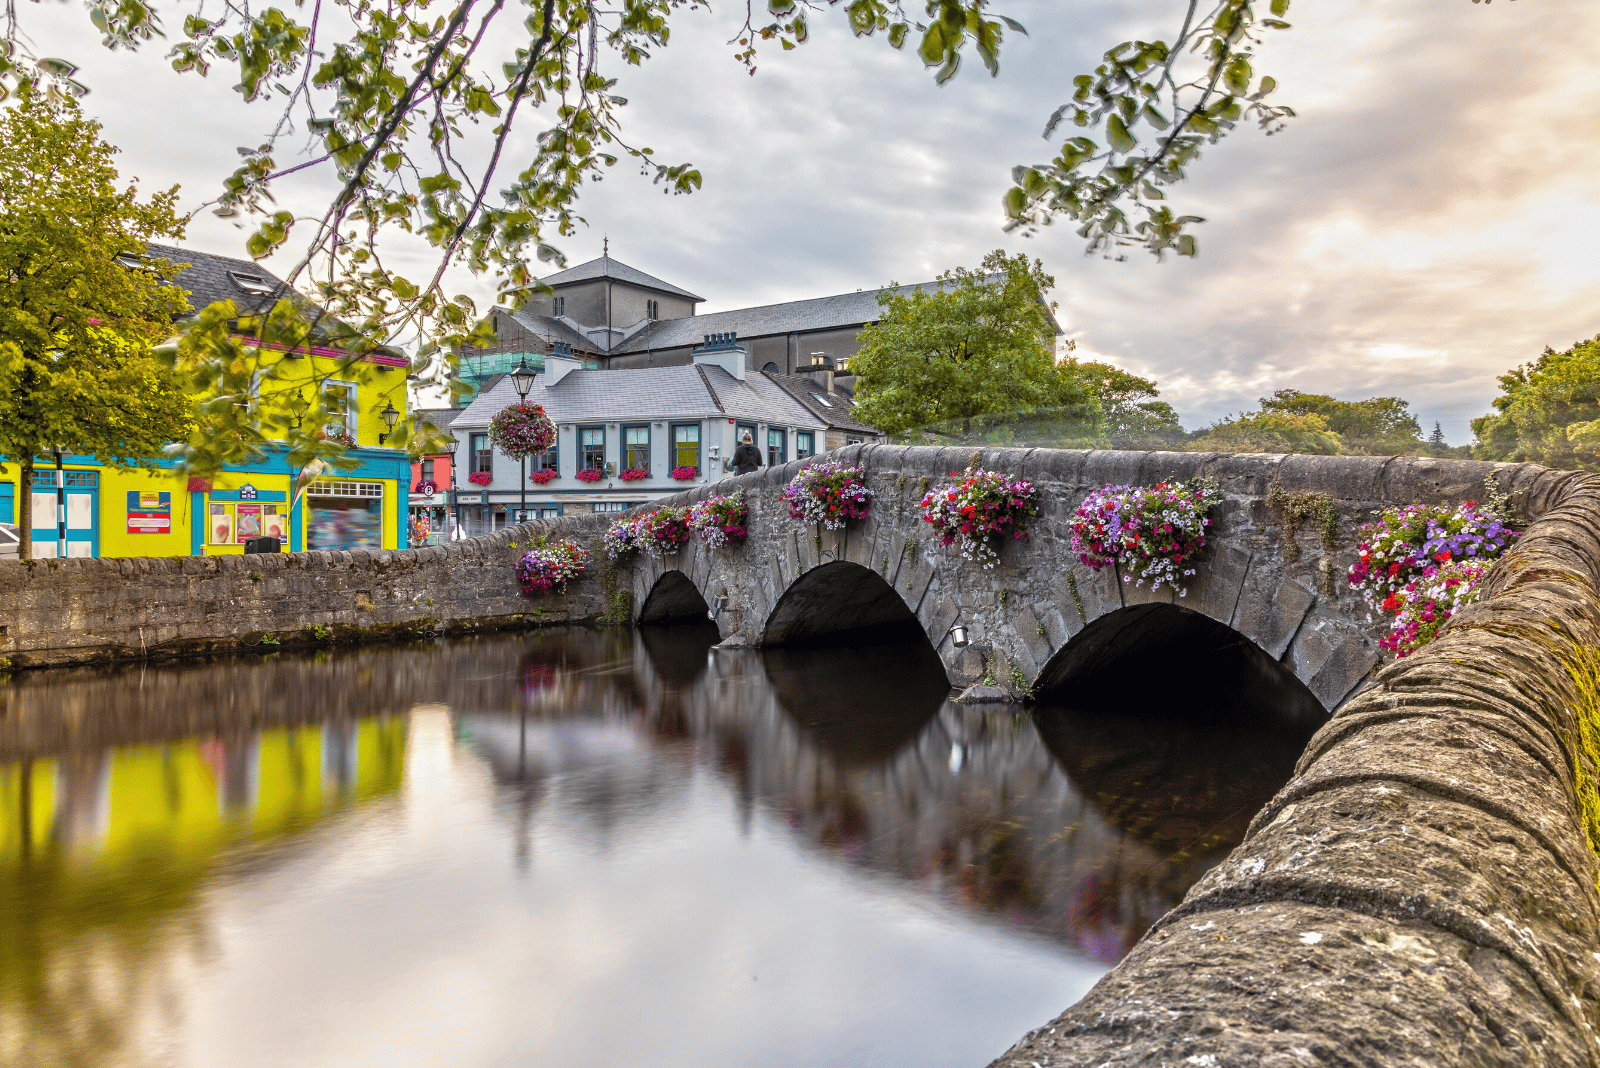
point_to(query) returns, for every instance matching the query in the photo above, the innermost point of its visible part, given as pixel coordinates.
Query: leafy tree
(982, 342)
(1133, 417)
(1269, 431)
(1379, 425)
(1548, 411)
(77, 366)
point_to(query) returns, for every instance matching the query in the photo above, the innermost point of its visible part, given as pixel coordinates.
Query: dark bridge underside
(837, 603)
(674, 599)
(1162, 659)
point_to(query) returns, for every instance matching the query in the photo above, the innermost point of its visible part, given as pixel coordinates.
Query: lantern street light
(390, 418)
(522, 382)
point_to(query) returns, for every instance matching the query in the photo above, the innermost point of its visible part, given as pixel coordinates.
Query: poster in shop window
(274, 524)
(149, 513)
(247, 522)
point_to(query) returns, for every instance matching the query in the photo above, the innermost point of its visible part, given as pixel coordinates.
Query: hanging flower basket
(1423, 605)
(522, 430)
(542, 477)
(664, 530)
(551, 567)
(982, 512)
(633, 474)
(829, 493)
(1148, 534)
(480, 478)
(685, 474)
(623, 538)
(1405, 543)
(721, 521)
(590, 474)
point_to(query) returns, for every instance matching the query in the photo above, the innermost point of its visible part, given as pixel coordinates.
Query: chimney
(558, 367)
(724, 351)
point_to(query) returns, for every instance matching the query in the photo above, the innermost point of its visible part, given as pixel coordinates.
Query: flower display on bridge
(721, 521)
(1403, 544)
(1422, 605)
(622, 538)
(830, 493)
(982, 511)
(551, 567)
(664, 530)
(521, 429)
(1148, 534)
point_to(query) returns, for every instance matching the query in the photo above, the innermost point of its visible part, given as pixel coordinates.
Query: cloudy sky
(1426, 223)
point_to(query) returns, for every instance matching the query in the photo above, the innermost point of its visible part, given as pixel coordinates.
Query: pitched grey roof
(439, 417)
(606, 267)
(797, 316)
(209, 278)
(688, 392)
(833, 409)
(551, 329)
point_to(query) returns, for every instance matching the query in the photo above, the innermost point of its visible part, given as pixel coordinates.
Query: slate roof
(833, 409)
(209, 278)
(690, 391)
(794, 317)
(439, 417)
(606, 267)
(551, 329)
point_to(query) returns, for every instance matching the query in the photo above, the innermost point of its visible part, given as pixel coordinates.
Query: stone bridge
(1042, 623)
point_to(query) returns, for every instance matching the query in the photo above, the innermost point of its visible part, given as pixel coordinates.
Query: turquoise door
(8, 503)
(83, 514)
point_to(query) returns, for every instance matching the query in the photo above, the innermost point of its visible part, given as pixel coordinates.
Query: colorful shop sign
(149, 512)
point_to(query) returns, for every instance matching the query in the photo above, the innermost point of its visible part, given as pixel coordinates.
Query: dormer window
(253, 284)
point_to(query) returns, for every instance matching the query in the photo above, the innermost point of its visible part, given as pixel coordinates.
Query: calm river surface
(579, 847)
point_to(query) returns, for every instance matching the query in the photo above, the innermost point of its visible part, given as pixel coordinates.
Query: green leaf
(1117, 135)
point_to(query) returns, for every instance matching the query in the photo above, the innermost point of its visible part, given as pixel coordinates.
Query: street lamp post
(522, 382)
(390, 417)
(455, 506)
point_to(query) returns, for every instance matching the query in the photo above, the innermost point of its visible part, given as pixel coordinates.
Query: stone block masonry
(75, 611)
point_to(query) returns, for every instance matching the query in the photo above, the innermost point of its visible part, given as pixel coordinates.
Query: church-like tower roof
(617, 271)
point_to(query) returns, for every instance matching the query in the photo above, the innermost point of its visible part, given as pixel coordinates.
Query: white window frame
(352, 411)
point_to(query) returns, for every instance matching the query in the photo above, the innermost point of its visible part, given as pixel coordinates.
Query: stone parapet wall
(1421, 892)
(74, 611)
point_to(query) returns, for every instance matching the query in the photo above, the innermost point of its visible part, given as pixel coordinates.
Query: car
(10, 541)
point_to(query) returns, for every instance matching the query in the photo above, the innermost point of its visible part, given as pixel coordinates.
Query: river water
(581, 847)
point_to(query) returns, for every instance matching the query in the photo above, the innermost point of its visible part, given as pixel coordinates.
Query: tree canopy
(1380, 425)
(1133, 417)
(78, 369)
(411, 112)
(1269, 431)
(1548, 411)
(978, 343)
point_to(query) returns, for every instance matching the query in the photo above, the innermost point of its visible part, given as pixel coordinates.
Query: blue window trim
(622, 460)
(580, 458)
(672, 443)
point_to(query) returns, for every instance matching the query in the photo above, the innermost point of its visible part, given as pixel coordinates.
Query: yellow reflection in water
(103, 856)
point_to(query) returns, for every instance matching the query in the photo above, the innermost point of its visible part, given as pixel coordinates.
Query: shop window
(804, 444)
(482, 453)
(591, 448)
(636, 447)
(344, 514)
(229, 523)
(777, 446)
(686, 445)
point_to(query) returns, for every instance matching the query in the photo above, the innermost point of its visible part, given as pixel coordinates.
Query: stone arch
(674, 598)
(1165, 655)
(837, 602)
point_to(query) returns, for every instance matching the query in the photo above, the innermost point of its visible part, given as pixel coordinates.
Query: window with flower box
(686, 445)
(482, 453)
(591, 448)
(636, 447)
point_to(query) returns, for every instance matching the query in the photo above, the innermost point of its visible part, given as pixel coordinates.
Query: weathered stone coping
(1420, 893)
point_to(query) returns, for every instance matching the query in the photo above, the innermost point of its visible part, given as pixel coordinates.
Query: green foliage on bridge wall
(1296, 508)
(1583, 666)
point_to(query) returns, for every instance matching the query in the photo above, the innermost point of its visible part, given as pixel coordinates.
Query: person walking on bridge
(746, 458)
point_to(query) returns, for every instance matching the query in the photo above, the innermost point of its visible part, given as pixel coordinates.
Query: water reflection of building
(104, 854)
